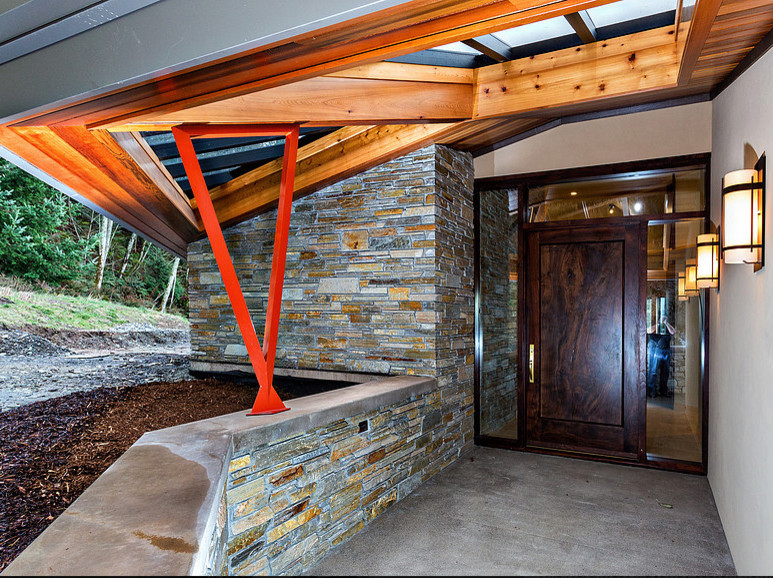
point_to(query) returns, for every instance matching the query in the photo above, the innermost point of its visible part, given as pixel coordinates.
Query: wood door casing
(583, 304)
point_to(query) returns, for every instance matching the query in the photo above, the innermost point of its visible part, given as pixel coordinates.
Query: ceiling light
(637, 206)
(573, 193)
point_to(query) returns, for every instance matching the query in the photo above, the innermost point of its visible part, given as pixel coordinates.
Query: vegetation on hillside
(51, 242)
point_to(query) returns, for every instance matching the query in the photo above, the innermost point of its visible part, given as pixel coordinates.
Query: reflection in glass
(498, 241)
(622, 195)
(674, 337)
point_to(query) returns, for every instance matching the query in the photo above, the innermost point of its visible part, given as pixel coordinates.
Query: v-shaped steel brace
(262, 359)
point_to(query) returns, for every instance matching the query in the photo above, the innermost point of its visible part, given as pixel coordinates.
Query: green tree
(35, 243)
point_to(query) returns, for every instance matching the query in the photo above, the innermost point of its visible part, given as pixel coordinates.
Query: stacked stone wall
(290, 502)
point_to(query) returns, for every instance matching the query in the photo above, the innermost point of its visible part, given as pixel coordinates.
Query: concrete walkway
(503, 512)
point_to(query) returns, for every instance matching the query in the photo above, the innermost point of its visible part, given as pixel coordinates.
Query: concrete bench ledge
(155, 510)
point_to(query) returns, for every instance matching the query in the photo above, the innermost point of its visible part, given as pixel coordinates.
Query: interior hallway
(506, 512)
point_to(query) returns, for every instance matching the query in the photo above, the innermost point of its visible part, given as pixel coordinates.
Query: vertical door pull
(531, 363)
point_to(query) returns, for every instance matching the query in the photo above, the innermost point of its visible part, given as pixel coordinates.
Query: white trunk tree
(129, 247)
(171, 284)
(105, 238)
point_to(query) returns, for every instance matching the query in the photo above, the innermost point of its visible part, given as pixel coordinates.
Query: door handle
(531, 363)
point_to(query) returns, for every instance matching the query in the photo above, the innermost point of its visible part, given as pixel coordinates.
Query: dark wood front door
(584, 390)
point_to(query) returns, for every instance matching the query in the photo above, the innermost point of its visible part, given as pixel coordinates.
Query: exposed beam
(327, 160)
(583, 26)
(677, 19)
(116, 188)
(335, 102)
(629, 64)
(491, 46)
(141, 152)
(703, 16)
(408, 72)
(397, 31)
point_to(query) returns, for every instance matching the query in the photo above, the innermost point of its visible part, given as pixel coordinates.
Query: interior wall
(674, 131)
(741, 348)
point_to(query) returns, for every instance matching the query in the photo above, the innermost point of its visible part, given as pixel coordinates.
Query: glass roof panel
(626, 10)
(535, 32)
(460, 47)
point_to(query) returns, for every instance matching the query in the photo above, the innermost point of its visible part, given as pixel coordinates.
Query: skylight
(626, 10)
(459, 47)
(536, 32)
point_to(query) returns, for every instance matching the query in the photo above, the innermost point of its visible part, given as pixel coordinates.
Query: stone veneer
(379, 266)
(379, 280)
(287, 503)
(499, 310)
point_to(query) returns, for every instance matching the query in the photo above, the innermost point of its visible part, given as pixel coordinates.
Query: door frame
(520, 183)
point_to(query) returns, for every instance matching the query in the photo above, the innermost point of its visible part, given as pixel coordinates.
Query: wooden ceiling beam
(703, 16)
(408, 72)
(389, 33)
(335, 102)
(583, 26)
(491, 46)
(327, 160)
(630, 64)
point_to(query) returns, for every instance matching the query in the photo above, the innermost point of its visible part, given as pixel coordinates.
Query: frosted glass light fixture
(691, 279)
(680, 286)
(743, 217)
(707, 274)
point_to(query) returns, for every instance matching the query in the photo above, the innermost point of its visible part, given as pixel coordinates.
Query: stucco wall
(679, 130)
(741, 364)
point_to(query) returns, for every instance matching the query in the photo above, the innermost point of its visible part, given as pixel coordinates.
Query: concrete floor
(504, 512)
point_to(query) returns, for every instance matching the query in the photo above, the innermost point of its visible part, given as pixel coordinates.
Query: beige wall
(674, 131)
(741, 354)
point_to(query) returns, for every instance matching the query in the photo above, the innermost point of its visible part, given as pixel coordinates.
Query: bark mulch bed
(51, 451)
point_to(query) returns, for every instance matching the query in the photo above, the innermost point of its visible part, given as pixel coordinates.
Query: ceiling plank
(703, 16)
(325, 161)
(491, 46)
(396, 31)
(142, 154)
(334, 101)
(47, 151)
(629, 64)
(583, 26)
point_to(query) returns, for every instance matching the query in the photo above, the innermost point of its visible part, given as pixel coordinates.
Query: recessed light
(573, 193)
(637, 206)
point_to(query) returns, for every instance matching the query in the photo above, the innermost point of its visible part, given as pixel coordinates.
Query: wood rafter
(583, 26)
(329, 159)
(396, 31)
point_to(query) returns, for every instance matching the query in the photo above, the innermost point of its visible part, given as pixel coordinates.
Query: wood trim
(703, 16)
(590, 172)
(396, 31)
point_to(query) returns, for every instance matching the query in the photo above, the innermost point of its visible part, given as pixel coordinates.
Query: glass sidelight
(674, 360)
(498, 313)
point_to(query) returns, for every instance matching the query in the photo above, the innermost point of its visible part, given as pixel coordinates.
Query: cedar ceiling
(358, 107)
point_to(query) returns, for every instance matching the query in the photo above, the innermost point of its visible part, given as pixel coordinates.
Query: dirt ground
(93, 404)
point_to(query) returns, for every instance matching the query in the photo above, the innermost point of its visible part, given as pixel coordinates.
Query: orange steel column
(267, 401)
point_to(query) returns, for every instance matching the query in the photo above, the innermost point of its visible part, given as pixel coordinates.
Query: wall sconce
(707, 274)
(680, 287)
(691, 279)
(743, 216)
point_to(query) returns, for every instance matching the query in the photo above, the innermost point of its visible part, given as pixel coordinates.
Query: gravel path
(32, 368)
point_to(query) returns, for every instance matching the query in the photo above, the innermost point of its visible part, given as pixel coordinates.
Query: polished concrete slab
(504, 512)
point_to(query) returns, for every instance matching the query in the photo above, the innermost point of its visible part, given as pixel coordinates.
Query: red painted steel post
(262, 359)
